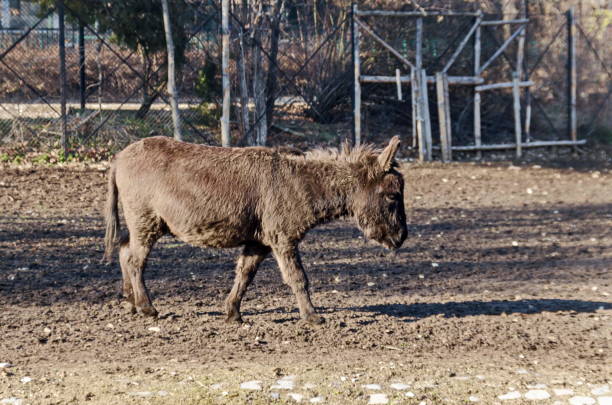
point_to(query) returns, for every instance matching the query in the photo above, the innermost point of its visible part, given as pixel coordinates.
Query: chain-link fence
(302, 67)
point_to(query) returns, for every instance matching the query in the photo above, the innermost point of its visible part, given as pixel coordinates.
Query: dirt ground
(502, 286)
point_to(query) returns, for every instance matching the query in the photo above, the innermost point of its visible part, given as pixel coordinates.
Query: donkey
(262, 199)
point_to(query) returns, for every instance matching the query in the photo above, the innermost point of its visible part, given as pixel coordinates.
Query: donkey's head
(378, 201)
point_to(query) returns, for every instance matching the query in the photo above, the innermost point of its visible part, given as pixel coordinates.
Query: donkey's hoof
(149, 311)
(315, 319)
(233, 317)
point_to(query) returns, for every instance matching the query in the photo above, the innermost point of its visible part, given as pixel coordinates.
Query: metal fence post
(82, 84)
(62, 60)
(571, 75)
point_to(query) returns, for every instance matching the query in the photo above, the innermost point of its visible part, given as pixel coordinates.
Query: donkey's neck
(329, 186)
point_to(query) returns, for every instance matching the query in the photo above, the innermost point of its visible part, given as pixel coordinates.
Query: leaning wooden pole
(225, 117)
(571, 75)
(443, 115)
(356, 78)
(62, 60)
(176, 117)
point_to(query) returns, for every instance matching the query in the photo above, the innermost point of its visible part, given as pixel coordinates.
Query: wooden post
(398, 84)
(414, 92)
(417, 85)
(516, 96)
(176, 118)
(356, 78)
(527, 128)
(82, 84)
(62, 60)
(225, 117)
(571, 75)
(425, 115)
(477, 124)
(443, 115)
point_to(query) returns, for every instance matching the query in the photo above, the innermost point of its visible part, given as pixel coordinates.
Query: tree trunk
(259, 89)
(245, 125)
(176, 118)
(272, 70)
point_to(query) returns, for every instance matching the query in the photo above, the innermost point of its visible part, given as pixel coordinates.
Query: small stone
(11, 401)
(317, 400)
(421, 276)
(373, 387)
(522, 371)
(5, 365)
(251, 385)
(601, 390)
(110, 326)
(371, 284)
(579, 400)
(155, 329)
(141, 394)
(536, 395)
(378, 399)
(604, 400)
(399, 386)
(26, 380)
(515, 243)
(274, 395)
(310, 386)
(47, 331)
(434, 264)
(560, 392)
(473, 398)
(509, 395)
(285, 383)
(537, 386)
(216, 386)
(296, 397)
(409, 394)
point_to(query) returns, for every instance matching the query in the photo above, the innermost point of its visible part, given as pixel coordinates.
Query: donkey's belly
(219, 235)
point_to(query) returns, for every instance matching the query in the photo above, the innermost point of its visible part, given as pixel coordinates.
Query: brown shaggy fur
(262, 199)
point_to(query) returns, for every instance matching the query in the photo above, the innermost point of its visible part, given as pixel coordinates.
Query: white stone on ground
(26, 380)
(216, 386)
(604, 400)
(141, 394)
(409, 394)
(579, 400)
(399, 386)
(274, 395)
(5, 365)
(473, 398)
(373, 387)
(509, 395)
(522, 371)
(310, 386)
(251, 385)
(285, 383)
(560, 392)
(537, 386)
(155, 329)
(317, 400)
(296, 397)
(378, 399)
(11, 401)
(536, 395)
(600, 390)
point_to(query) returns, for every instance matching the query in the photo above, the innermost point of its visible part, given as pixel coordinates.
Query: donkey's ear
(385, 159)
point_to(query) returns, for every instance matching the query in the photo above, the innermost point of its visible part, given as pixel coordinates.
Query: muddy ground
(503, 285)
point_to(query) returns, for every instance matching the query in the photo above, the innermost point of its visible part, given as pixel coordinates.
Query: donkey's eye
(391, 197)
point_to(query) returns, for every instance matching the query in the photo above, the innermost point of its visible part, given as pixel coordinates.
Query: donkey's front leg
(288, 258)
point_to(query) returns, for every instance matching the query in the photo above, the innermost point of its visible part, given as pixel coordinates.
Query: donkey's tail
(111, 216)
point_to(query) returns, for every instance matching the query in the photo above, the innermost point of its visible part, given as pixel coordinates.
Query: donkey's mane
(357, 154)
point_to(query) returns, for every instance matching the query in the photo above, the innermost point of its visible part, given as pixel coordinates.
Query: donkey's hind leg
(248, 262)
(128, 292)
(133, 257)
